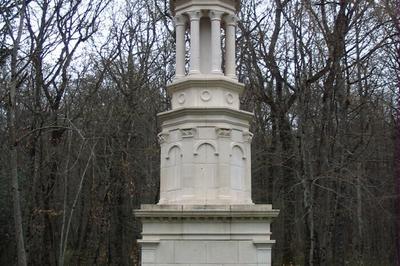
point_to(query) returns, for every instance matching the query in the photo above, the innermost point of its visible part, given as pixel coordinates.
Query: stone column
(180, 27)
(194, 42)
(230, 43)
(216, 55)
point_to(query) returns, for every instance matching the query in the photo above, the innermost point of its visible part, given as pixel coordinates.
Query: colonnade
(215, 17)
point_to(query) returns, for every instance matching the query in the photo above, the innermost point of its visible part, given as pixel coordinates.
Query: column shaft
(230, 46)
(180, 27)
(216, 54)
(194, 42)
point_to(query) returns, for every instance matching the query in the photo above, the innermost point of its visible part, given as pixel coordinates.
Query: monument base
(218, 235)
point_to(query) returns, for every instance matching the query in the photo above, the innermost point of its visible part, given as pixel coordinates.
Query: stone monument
(205, 215)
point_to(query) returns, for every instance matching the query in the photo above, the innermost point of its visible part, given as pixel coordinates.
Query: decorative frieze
(188, 132)
(247, 136)
(223, 132)
(163, 137)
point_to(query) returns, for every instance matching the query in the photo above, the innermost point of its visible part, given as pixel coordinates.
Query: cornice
(205, 111)
(206, 212)
(205, 81)
(235, 4)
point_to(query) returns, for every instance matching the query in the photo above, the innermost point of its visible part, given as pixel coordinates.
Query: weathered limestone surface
(205, 215)
(205, 157)
(206, 234)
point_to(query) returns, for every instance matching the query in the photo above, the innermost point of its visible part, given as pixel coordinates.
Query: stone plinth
(218, 235)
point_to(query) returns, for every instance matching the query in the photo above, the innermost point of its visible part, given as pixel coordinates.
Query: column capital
(231, 20)
(215, 15)
(194, 15)
(180, 20)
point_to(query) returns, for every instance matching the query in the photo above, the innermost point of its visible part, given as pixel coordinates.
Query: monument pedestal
(218, 235)
(205, 215)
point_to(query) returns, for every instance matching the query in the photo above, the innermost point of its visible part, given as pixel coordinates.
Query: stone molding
(220, 132)
(206, 212)
(263, 243)
(205, 81)
(204, 111)
(184, 6)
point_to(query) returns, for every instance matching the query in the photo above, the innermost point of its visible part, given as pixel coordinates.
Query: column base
(194, 72)
(232, 76)
(217, 72)
(179, 77)
(206, 235)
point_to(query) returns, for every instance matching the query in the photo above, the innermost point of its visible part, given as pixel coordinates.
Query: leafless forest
(81, 83)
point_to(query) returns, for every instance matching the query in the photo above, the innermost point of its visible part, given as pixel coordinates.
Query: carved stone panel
(187, 132)
(163, 137)
(223, 132)
(238, 168)
(206, 166)
(173, 167)
(247, 136)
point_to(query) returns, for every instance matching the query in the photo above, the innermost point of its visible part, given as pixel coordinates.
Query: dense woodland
(81, 83)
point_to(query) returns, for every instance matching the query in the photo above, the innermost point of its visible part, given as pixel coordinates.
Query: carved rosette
(205, 96)
(229, 98)
(181, 98)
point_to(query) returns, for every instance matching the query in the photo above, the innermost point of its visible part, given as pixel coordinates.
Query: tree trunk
(289, 198)
(13, 144)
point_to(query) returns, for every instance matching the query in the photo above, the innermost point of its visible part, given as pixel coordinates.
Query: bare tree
(15, 80)
(299, 60)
